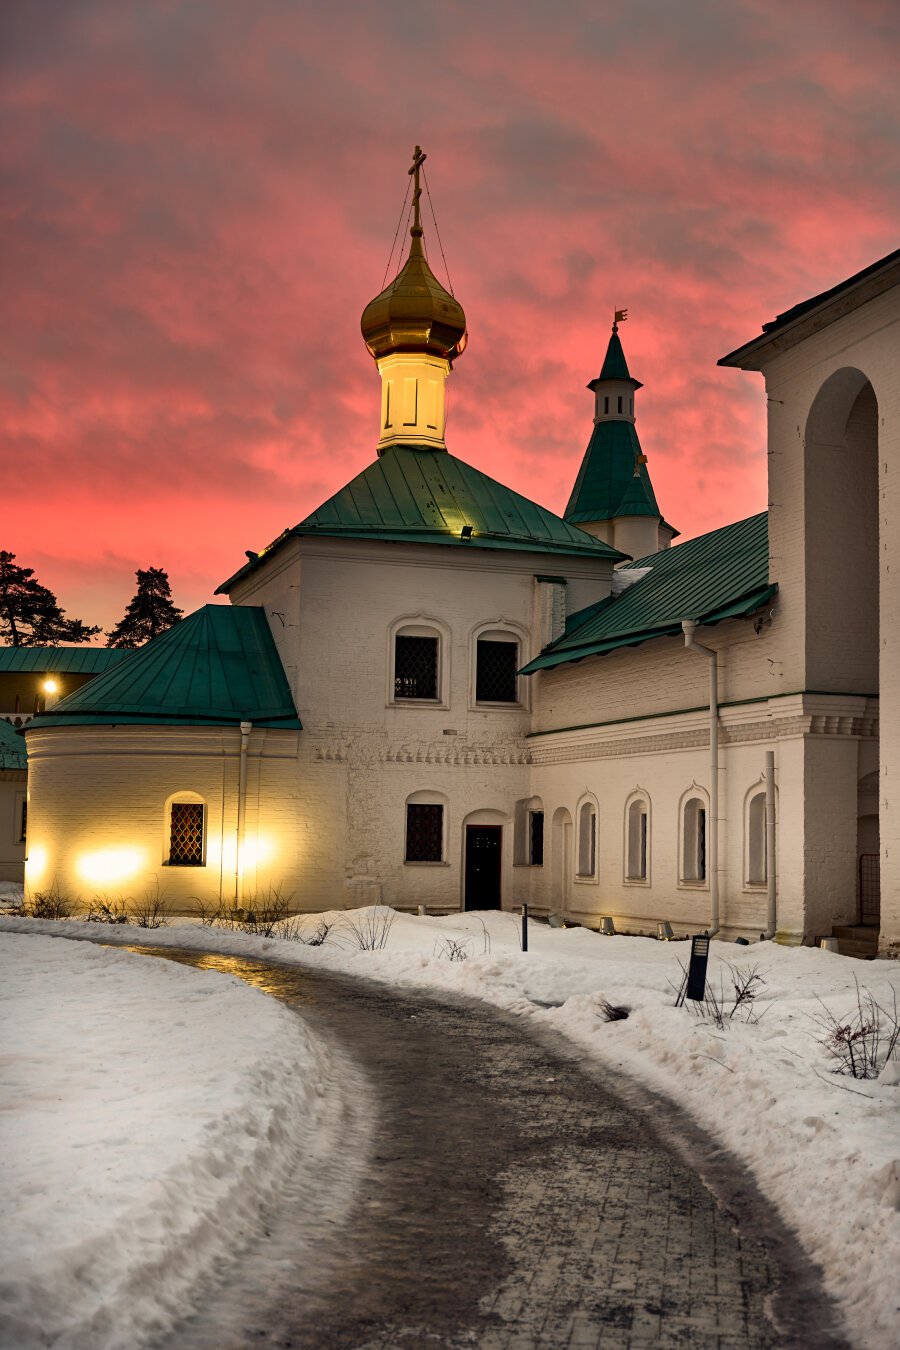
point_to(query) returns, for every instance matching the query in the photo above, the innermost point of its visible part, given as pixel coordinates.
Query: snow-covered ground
(824, 1148)
(149, 1112)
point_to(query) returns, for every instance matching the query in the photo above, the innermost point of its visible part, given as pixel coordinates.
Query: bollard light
(607, 927)
(664, 931)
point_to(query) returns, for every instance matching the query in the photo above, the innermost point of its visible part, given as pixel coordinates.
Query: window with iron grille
(415, 667)
(424, 832)
(186, 834)
(537, 839)
(24, 823)
(495, 677)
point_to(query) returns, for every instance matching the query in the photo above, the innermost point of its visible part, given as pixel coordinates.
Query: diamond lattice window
(424, 833)
(495, 680)
(415, 667)
(186, 836)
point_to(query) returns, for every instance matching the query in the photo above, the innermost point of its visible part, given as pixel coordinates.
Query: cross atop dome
(414, 329)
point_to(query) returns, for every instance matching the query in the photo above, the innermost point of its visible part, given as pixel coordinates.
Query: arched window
(528, 850)
(417, 661)
(587, 840)
(496, 658)
(425, 828)
(756, 840)
(185, 830)
(637, 840)
(693, 840)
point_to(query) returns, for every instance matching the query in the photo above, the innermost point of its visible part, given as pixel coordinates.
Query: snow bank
(151, 1110)
(825, 1149)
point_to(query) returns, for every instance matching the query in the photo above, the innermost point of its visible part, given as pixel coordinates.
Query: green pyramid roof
(217, 667)
(12, 747)
(606, 485)
(717, 576)
(615, 367)
(421, 495)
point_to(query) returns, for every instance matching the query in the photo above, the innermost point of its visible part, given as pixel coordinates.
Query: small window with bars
(415, 667)
(186, 830)
(23, 823)
(495, 676)
(424, 832)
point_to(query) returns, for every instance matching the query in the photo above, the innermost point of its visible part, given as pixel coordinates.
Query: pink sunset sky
(200, 198)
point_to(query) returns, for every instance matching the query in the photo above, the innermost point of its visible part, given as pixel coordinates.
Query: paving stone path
(504, 1199)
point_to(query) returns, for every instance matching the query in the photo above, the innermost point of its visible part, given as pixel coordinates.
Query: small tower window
(631, 407)
(536, 840)
(606, 405)
(619, 401)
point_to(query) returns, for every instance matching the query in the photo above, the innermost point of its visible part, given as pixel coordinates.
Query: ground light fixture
(607, 927)
(664, 931)
(828, 944)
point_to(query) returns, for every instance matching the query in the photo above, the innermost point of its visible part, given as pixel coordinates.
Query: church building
(434, 691)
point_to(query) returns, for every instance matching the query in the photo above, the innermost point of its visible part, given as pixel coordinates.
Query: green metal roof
(615, 367)
(718, 576)
(606, 485)
(12, 747)
(219, 666)
(419, 495)
(69, 660)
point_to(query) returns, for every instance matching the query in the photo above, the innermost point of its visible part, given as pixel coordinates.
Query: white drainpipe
(246, 728)
(771, 920)
(689, 627)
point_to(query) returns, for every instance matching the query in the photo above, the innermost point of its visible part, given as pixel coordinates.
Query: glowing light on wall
(35, 864)
(110, 865)
(50, 686)
(256, 853)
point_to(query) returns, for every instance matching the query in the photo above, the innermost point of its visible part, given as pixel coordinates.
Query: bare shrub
(150, 911)
(610, 1012)
(453, 949)
(206, 911)
(261, 915)
(370, 928)
(104, 910)
(295, 929)
(725, 1004)
(44, 905)
(862, 1042)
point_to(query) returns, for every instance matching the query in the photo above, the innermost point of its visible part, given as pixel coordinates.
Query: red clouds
(200, 198)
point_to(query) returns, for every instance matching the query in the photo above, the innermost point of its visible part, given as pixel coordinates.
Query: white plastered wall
(369, 752)
(822, 646)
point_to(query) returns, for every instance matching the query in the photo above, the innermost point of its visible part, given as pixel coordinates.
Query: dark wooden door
(483, 843)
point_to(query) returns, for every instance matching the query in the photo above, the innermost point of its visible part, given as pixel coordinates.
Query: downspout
(246, 728)
(771, 923)
(689, 627)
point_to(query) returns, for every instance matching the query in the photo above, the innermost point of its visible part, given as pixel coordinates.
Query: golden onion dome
(415, 313)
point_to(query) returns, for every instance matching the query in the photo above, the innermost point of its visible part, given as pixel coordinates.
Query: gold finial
(419, 158)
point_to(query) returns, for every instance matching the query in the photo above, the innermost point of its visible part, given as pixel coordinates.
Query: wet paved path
(508, 1202)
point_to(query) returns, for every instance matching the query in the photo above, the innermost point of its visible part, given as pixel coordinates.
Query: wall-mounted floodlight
(50, 686)
(466, 532)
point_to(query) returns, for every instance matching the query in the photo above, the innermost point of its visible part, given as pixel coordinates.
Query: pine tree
(30, 615)
(150, 612)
